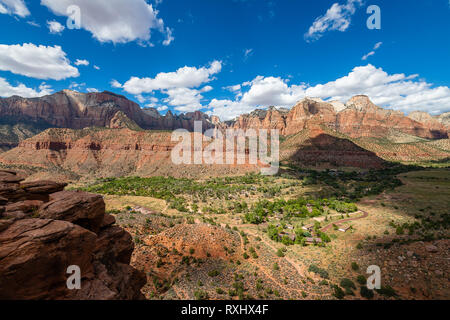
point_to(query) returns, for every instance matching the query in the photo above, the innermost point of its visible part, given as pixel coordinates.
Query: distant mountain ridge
(357, 133)
(75, 110)
(359, 117)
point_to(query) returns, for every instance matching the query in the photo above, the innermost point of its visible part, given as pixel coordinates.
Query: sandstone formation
(126, 148)
(359, 117)
(319, 148)
(445, 120)
(75, 110)
(99, 152)
(44, 230)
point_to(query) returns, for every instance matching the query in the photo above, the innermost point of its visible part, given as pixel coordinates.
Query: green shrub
(201, 295)
(387, 291)
(361, 280)
(347, 283)
(220, 291)
(338, 292)
(321, 272)
(366, 293)
(213, 273)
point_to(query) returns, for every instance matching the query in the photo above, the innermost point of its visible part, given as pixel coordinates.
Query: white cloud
(184, 99)
(140, 98)
(271, 91)
(186, 77)
(34, 24)
(55, 27)
(75, 85)
(377, 45)
(248, 53)
(14, 7)
(396, 91)
(206, 89)
(228, 109)
(338, 17)
(39, 62)
(115, 84)
(181, 86)
(79, 62)
(96, 67)
(235, 88)
(371, 53)
(8, 90)
(90, 90)
(262, 92)
(169, 37)
(162, 108)
(117, 21)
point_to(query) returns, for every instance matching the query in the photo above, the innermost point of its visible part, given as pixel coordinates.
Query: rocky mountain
(359, 117)
(44, 230)
(75, 110)
(110, 139)
(103, 152)
(444, 119)
(12, 133)
(322, 148)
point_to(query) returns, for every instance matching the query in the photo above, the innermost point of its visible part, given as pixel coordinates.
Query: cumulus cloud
(8, 90)
(371, 53)
(186, 77)
(55, 27)
(184, 99)
(14, 7)
(271, 91)
(117, 21)
(236, 88)
(395, 91)
(80, 62)
(338, 17)
(181, 87)
(40, 62)
(228, 109)
(115, 84)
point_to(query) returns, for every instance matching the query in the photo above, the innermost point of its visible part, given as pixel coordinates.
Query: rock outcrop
(445, 120)
(359, 117)
(100, 152)
(75, 110)
(44, 230)
(318, 148)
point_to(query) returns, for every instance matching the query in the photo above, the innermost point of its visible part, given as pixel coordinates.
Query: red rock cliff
(44, 230)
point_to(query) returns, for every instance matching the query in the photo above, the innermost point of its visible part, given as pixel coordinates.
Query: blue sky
(228, 57)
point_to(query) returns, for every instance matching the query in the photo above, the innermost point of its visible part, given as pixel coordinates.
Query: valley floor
(204, 247)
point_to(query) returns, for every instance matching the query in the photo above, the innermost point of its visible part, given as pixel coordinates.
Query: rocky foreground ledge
(44, 230)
